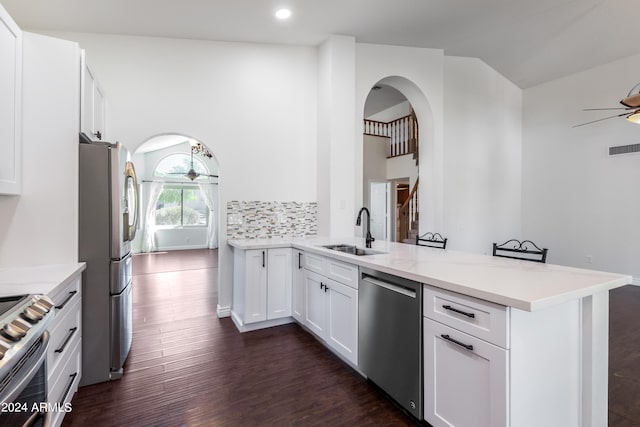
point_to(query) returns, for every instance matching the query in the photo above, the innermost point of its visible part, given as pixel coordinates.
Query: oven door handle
(33, 419)
(33, 369)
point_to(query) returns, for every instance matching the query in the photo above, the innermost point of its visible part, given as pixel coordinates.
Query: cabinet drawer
(476, 317)
(315, 263)
(342, 272)
(65, 297)
(63, 387)
(465, 379)
(65, 334)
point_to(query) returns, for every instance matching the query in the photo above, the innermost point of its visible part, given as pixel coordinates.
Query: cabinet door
(315, 306)
(98, 111)
(10, 105)
(342, 320)
(91, 103)
(255, 286)
(279, 280)
(297, 288)
(465, 379)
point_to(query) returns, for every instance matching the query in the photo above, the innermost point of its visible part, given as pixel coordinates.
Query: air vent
(624, 149)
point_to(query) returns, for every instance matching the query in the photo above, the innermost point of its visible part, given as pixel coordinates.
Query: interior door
(380, 204)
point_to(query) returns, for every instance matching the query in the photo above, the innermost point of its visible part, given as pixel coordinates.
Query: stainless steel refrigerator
(108, 217)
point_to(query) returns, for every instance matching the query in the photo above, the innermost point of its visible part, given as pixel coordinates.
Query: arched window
(180, 204)
(177, 166)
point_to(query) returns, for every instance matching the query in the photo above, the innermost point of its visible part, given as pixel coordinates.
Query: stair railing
(409, 213)
(402, 134)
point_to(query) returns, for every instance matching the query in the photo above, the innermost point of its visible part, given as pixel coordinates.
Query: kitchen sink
(352, 249)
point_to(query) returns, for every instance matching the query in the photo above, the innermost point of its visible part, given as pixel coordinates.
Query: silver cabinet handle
(395, 288)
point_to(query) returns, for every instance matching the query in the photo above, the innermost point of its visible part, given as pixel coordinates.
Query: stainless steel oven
(24, 340)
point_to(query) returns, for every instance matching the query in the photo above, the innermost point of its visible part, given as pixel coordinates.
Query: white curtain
(149, 231)
(210, 195)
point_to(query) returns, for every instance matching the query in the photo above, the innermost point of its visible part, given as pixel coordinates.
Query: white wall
(41, 226)
(374, 163)
(578, 201)
(253, 105)
(395, 112)
(336, 128)
(403, 167)
(482, 156)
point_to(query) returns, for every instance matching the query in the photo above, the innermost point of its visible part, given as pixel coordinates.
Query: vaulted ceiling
(529, 42)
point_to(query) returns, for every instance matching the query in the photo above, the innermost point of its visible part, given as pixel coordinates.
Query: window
(177, 165)
(181, 206)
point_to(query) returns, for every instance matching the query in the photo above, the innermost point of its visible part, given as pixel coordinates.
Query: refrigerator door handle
(132, 202)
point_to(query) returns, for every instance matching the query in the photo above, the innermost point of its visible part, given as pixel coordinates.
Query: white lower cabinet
(466, 379)
(298, 288)
(64, 362)
(279, 281)
(331, 312)
(342, 320)
(496, 366)
(261, 285)
(315, 303)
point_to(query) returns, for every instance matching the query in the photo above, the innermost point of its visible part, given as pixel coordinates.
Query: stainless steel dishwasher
(390, 336)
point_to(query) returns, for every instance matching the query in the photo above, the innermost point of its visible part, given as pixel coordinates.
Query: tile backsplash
(259, 220)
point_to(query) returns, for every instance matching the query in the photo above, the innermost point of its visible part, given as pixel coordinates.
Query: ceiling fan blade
(599, 120)
(602, 109)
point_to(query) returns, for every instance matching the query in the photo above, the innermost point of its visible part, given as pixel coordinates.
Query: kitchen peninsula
(535, 351)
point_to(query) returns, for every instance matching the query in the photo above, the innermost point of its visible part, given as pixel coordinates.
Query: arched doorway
(399, 174)
(178, 176)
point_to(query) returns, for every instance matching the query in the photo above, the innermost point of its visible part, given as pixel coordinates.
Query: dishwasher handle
(390, 286)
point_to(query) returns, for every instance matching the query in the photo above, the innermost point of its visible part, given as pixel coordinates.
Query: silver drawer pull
(448, 338)
(455, 310)
(390, 286)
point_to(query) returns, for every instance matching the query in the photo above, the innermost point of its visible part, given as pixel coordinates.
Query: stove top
(7, 303)
(23, 320)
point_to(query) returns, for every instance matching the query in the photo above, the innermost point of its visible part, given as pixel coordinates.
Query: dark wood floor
(624, 357)
(189, 368)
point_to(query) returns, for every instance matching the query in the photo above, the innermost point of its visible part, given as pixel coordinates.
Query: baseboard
(180, 248)
(224, 311)
(244, 327)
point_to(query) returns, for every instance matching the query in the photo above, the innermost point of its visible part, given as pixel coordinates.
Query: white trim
(243, 327)
(635, 281)
(223, 311)
(180, 248)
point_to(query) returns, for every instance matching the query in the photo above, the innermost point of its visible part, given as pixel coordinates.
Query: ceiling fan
(191, 173)
(631, 106)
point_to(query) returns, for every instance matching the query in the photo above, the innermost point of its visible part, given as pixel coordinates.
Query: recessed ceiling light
(283, 14)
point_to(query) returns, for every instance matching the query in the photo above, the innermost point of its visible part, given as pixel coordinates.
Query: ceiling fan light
(634, 118)
(192, 174)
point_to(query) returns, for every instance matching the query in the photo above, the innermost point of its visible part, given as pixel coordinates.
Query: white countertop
(524, 285)
(37, 280)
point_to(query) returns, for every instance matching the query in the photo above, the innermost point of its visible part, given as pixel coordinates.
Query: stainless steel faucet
(369, 237)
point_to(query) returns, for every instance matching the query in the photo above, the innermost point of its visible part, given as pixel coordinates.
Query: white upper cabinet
(92, 103)
(10, 105)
